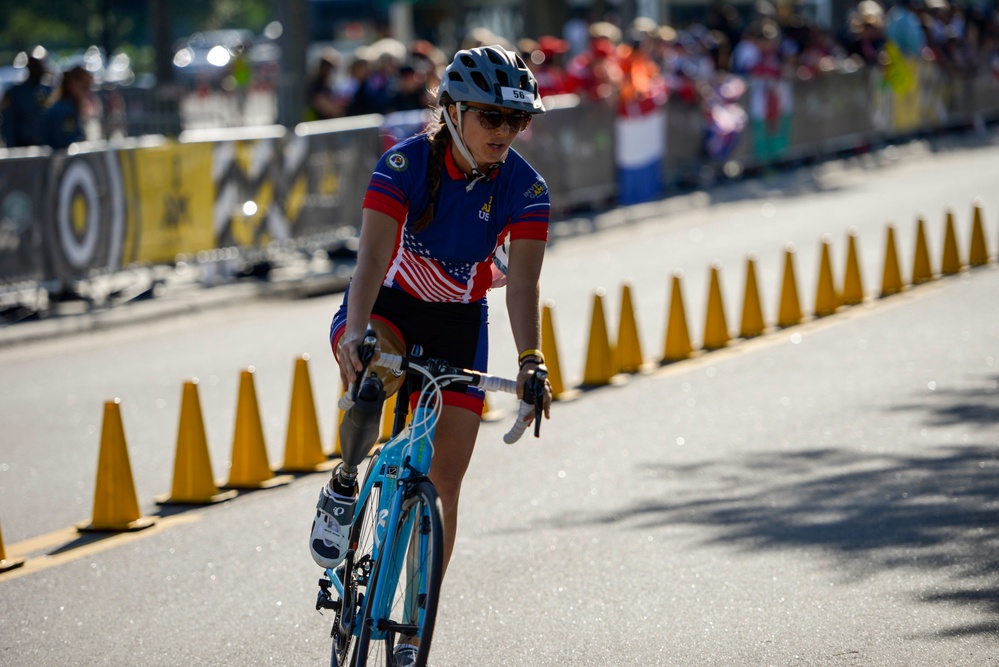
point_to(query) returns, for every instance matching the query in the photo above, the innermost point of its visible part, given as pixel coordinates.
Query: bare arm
(522, 302)
(375, 247)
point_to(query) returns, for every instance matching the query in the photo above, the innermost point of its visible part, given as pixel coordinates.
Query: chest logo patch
(397, 161)
(484, 211)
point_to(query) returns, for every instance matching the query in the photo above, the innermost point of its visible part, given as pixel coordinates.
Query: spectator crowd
(36, 113)
(712, 63)
(600, 60)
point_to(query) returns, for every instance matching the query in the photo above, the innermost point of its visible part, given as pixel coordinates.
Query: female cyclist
(438, 207)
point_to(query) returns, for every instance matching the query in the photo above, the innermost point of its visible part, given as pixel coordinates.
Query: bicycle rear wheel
(355, 574)
(411, 576)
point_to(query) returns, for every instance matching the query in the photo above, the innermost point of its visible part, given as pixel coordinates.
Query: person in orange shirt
(642, 83)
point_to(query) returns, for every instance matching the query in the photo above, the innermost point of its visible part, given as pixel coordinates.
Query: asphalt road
(824, 495)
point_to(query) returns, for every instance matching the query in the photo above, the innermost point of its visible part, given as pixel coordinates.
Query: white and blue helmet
(491, 75)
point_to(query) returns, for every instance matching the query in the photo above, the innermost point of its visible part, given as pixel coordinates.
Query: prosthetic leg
(361, 423)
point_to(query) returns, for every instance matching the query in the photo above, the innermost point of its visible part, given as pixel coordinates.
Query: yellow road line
(61, 548)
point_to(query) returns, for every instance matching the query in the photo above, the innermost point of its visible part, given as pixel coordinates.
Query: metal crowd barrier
(97, 208)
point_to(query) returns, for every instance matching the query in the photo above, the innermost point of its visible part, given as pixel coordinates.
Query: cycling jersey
(450, 260)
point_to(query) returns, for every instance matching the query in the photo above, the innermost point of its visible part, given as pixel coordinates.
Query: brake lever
(534, 392)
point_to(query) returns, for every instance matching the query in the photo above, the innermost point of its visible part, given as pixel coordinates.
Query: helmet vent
(469, 61)
(479, 80)
(495, 57)
(503, 79)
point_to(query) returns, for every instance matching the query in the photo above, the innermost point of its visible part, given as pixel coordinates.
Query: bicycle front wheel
(401, 600)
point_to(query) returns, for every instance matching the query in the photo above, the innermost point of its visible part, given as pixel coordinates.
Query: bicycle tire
(357, 572)
(421, 501)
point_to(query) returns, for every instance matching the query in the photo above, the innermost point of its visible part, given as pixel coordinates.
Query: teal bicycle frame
(404, 459)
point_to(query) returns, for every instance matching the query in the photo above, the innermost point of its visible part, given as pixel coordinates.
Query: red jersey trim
(536, 231)
(382, 203)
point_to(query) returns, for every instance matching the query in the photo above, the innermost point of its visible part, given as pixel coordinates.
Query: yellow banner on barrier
(171, 198)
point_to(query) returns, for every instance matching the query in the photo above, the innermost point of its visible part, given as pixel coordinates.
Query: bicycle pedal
(324, 602)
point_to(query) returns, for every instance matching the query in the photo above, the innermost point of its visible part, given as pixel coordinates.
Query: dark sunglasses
(491, 119)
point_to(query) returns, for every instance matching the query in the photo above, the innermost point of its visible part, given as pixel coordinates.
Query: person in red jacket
(596, 73)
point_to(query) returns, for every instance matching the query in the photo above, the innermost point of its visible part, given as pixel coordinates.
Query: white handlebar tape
(393, 362)
(493, 383)
(520, 425)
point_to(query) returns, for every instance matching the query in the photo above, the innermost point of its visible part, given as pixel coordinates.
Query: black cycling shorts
(455, 332)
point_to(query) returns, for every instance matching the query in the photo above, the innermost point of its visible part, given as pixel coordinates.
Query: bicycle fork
(395, 551)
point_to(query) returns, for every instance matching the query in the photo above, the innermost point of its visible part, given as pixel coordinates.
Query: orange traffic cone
(922, 270)
(303, 447)
(891, 279)
(8, 563)
(599, 367)
(715, 326)
(115, 506)
(193, 483)
(752, 312)
(549, 348)
(951, 263)
(789, 313)
(979, 253)
(826, 299)
(677, 345)
(853, 284)
(629, 348)
(250, 467)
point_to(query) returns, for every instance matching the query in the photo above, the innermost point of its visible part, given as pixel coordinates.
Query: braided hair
(440, 142)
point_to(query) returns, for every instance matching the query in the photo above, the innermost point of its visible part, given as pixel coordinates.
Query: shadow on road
(934, 508)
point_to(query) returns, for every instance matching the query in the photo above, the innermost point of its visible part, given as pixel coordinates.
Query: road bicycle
(387, 586)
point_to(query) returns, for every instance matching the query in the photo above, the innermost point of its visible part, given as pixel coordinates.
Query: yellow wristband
(531, 353)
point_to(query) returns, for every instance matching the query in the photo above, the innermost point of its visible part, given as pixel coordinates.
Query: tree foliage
(67, 26)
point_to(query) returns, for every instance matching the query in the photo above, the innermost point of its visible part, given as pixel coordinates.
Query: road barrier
(230, 194)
